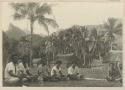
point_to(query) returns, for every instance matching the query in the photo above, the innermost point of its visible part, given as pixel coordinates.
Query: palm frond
(20, 10)
(112, 22)
(118, 28)
(32, 4)
(32, 7)
(31, 10)
(119, 25)
(106, 26)
(44, 9)
(17, 6)
(118, 31)
(18, 16)
(51, 22)
(41, 22)
(34, 12)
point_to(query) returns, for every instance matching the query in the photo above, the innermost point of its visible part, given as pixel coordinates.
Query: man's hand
(12, 74)
(77, 74)
(55, 74)
(61, 73)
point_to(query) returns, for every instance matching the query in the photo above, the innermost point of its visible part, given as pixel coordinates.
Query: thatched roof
(67, 58)
(36, 60)
(115, 56)
(64, 57)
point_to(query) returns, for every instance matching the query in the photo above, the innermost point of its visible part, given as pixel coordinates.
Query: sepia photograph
(62, 44)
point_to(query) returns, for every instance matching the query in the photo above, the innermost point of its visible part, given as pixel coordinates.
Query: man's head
(43, 62)
(14, 58)
(73, 65)
(19, 60)
(58, 63)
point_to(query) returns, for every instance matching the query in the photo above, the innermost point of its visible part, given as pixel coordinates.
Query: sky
(68, 14)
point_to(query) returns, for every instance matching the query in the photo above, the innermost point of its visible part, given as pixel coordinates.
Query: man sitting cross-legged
(22, 73)
(73, 72)
(15, 73)
(11, 72)
(43, 71)
(56, 72)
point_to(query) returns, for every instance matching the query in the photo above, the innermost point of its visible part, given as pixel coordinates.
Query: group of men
(55, 73)
(17, 74)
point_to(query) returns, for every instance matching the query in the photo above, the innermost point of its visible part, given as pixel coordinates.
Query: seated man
(114, 72)
(73, 72)
(11, 77)
(43, 71)
(21, 72)
(31, 77)
(56, 72)
(20, 67)
(25, 63)
(119, 65)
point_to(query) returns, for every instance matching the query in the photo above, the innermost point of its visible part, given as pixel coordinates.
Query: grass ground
(80, 83)
(95, 72)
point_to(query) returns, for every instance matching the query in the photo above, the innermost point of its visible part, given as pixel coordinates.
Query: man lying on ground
(73, 72)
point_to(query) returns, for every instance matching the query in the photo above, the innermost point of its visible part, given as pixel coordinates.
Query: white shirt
(39, 69)
(72, 70)
(55, 69)
(21, 67)
(43, 69)
(9, 67)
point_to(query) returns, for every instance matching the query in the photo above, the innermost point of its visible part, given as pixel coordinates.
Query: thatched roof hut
(115, 56)
(67, 59)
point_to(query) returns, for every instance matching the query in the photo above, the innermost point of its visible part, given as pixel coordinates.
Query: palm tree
(112, 27)
(33, 12)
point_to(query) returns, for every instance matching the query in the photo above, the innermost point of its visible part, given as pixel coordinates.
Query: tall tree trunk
(84, 60)
(48, 53)
(100, 58)
(31, 42)
(53, 56)
(111, 46)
